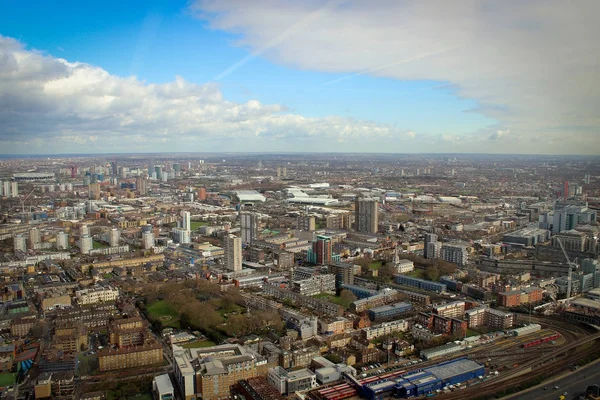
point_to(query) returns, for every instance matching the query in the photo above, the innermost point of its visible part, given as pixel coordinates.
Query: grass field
(199, 344)
(417, 273)
(99, 245)
(7, 379)
(197, 224)
(165, 313)
(375, 264)
(333, 299)
(145, 396)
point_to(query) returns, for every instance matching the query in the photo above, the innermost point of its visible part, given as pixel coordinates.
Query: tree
(347, 297)
(432, 273)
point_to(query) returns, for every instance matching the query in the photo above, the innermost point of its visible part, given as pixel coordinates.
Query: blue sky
(155, 41)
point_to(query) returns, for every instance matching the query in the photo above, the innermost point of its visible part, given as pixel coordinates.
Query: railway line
(546, 364)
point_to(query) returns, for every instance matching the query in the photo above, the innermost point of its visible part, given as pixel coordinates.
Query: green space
(417, 273)
(197, 224)
(164, 312)
(87, 365)
(199, 344)
(99, 245)
(107, 276)
(375, 264)
(7, 379)
(333, 299)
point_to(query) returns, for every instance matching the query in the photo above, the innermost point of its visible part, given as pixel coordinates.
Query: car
(556, 387)
(565, 393)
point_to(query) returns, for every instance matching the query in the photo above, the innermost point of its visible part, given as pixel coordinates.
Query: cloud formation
(533, 66)
(48, 104)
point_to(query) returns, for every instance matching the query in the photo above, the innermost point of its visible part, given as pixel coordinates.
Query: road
(573, 384)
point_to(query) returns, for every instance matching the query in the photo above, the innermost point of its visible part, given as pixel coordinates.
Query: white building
(14, 189)
(182, 236)
(163, 388)
(20, 243)
(386, 328)
(404, 266)
(86, 244)
(186, 223)
(147, 240)
(62, 241)
(114, 237)
(6, 188)
(96, 295)
(233, 253)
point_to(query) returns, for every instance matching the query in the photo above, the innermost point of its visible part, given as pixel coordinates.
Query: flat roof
(163, 383)
(454, 368)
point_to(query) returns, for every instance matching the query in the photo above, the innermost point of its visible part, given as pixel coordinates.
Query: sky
(481, 76)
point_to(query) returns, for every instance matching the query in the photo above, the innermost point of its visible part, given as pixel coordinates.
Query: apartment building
(96, 295)
(386, 328)
(130, 357)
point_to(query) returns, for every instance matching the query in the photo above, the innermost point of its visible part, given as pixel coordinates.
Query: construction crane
(23, 201)
(571, 267)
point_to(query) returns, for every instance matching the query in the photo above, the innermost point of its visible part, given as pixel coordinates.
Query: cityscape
(299, 200)
(312, 276)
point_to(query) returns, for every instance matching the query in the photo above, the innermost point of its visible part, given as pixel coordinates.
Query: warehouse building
(428, 380)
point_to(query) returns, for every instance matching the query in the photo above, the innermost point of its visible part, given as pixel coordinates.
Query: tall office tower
(114, 168)
(306, 223)
(429, 238)
(114, 237)
(321, 252)
(233, 252)
(1, 189)
(6, 185)
(366, 215)
(141, 185)
(62, 241)
(14, 189)
(148, 240)
(34, 238)
(158, 170)
(20, 243)
(249, 227)
(150, 168)
(86, 244)
(185, 220)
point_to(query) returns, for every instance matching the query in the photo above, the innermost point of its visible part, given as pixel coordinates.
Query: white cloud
(72, 106)
(531, 65)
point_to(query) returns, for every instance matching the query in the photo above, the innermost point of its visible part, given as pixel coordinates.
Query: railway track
(549, 363)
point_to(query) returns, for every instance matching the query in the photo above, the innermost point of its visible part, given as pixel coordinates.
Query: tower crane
(571, 267)
(24, 199)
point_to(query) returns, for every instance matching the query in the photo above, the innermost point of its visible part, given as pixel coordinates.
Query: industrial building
(428, 380)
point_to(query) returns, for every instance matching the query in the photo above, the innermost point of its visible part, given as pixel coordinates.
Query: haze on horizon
(314, 76)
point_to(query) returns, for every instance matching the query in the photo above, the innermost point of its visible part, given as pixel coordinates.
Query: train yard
(511, 359)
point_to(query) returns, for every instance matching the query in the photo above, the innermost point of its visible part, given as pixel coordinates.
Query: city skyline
(335, 76)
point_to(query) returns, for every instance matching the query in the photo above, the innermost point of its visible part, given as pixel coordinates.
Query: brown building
(22, 326)
(130, 357)
(517, 297)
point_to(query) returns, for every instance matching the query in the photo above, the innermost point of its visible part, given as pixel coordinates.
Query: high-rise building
(568, 215)
(306, 223)
(114, 168)
(322, 252)
(141, 185)
(233, 253)
(20, 243)
(14, 189)
(201, 194)
(148, 240)
(434, 250)
(94, 190)
(158, 171)
(181, 235)
(429, 238)
(6, 186)
(186, 220)
(34, 238)
(455, 253)
(249, 227)
(114, 237)
(366, 215)
(86, 244)
(62, 241)
(84, 230)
